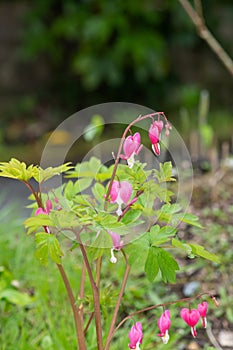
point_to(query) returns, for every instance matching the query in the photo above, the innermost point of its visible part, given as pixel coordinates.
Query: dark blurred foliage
(122, 50)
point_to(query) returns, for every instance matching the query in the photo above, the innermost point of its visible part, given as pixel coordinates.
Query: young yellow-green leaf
(35, 222)
(48, 245)
(43, 175)
(88, 169)
(200, 251)
(164, 174)
(99, 192)
(182, 245)
(17, 170)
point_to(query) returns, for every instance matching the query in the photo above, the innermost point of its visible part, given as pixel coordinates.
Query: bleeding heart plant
(95, 213)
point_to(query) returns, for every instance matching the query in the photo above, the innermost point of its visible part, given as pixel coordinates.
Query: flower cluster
(190, 316)
(132, 144)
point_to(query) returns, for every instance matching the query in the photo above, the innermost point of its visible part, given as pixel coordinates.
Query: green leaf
(88, 169)
(16, 297)
(200, 251)
(99, 191)
(43, 175)
(64, 218)
(35, 222)
(167, 265)
(160, 258)
(165, 172)
(102, 242)
(15, 169)
(48, 245)
(138, 251)
(182, 245)
(161, 235)
(72, 188)
(131, 216)
(191, 219)
(151, 266)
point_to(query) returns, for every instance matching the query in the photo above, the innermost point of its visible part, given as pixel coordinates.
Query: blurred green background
(58, 57)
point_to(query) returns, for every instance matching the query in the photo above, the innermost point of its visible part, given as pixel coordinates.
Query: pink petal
(49, 206)
(125, 191)
(137, 137)
(114, 191)
(202, 308)
(40, 211)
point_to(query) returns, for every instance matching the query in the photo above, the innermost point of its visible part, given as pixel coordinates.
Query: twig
(206, 35)
(212, 338)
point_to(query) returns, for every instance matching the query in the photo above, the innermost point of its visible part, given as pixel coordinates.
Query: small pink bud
(135, 336)
(191, 317)
(215, 301)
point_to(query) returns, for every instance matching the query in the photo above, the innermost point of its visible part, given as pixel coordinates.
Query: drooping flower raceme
(191, 317)
(135, 336)
(117, 244)
(202, 308)
(164, 323)
(154, 135)
(132, 146)
(120, 193)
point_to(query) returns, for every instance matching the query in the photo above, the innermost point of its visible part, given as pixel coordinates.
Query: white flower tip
(131, 161)
(119, 211)
(113, 260)
(166, 338)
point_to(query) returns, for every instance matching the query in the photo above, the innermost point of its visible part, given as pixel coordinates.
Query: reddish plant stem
(95, 292)
(82, 288)
(89, 322)
(188, 300)
(76, 312)
(98, 270)
(118, 303)
(35, 194)
(140, 118)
